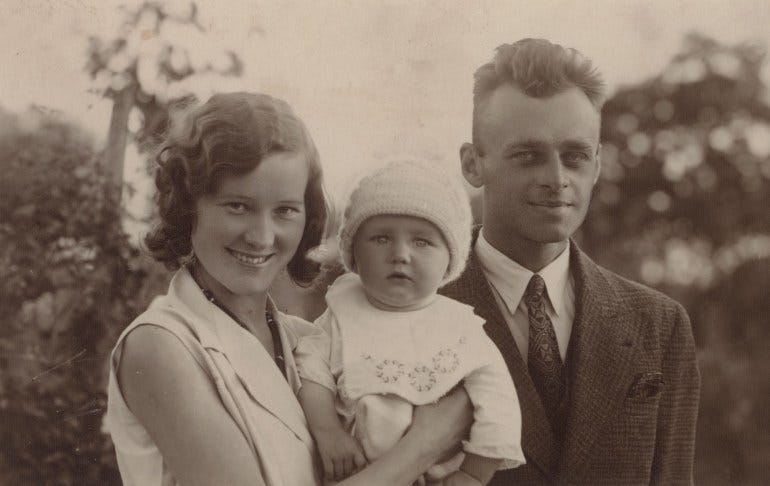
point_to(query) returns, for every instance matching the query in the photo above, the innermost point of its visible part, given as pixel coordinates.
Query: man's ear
(598, 163)
(471, 165)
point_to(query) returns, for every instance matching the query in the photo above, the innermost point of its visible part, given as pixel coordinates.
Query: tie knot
(536, 286)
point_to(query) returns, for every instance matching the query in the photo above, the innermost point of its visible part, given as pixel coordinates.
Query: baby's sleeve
(496, 429)
(313, 354)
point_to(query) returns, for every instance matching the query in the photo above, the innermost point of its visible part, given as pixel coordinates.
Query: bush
(68, 285)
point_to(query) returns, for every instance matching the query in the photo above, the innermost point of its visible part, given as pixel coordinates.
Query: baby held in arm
(390, 342)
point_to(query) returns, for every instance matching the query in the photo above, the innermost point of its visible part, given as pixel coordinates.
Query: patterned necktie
(544, 362)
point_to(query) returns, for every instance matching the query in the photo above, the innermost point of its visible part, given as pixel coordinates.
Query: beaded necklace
(271, 324)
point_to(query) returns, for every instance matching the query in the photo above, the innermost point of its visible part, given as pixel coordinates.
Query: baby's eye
(287, 211)
(380, 239)
(422, 242)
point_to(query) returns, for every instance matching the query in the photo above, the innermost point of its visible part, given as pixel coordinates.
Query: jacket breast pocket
(640, 408)
(646, 386)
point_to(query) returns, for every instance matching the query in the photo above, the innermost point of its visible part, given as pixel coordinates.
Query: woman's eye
(236, 207)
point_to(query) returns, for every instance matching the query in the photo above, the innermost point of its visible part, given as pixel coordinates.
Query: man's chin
(550, 237)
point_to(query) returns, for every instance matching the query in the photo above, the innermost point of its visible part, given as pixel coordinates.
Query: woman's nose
(260, 232)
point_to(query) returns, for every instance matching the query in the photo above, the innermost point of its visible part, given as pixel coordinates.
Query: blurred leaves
(686, 170)
(683, 204)
(68, 283)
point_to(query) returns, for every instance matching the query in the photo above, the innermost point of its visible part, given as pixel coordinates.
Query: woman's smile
(249, 259)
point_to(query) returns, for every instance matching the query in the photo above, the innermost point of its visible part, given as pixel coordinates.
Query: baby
(391, 342)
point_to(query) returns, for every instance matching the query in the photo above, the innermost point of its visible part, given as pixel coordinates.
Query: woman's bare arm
(177, 403)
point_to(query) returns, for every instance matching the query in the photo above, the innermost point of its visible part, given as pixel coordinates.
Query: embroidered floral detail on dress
(389, 370)
(446, 361)
(422, 378)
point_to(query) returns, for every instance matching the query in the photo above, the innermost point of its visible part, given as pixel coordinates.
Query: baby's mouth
(399, 276)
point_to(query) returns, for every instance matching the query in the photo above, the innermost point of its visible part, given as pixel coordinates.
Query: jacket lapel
(602, 347)
(537, 438)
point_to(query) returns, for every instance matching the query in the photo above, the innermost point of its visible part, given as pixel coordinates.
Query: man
(605, 368)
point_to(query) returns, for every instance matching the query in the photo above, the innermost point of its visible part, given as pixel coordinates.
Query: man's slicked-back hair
(540, 69)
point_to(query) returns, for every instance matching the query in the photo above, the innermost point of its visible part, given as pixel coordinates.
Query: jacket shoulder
(637, 295)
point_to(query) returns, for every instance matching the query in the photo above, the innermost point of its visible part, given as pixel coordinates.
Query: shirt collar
(511, 279)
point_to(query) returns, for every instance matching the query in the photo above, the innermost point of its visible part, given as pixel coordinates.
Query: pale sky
(370, 77)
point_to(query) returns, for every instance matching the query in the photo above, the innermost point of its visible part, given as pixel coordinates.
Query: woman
(202, 385)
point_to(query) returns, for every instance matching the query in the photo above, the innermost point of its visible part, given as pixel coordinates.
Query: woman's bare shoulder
(154, 360)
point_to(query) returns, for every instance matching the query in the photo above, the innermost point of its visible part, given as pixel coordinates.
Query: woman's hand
(459, 478)
(442, 425)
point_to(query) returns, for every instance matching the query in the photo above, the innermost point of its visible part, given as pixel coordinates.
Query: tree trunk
(115, 151)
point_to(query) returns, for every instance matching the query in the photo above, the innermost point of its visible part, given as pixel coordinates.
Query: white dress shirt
(509, 280)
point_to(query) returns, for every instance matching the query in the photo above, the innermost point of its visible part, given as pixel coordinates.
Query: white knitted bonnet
(412, 187)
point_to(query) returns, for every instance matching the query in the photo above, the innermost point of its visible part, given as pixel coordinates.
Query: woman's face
(249, 229)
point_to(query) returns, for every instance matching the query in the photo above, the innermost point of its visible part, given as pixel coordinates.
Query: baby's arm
(495, 438)
(340, 452)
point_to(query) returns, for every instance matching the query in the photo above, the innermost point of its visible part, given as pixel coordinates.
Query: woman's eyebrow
(232, 195)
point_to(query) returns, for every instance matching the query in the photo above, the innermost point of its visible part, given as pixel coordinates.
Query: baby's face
(401, 261)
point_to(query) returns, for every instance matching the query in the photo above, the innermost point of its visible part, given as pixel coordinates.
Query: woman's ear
(470, 164)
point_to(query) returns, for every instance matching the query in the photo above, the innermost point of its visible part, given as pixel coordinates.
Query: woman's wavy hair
(229, 136)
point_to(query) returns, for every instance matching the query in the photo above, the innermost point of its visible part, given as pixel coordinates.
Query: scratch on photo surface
(90, 408)
(68, 361)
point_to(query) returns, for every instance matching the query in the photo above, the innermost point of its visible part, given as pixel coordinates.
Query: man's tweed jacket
(633, 383)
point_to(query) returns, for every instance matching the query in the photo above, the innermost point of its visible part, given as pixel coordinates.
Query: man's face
(537, 160)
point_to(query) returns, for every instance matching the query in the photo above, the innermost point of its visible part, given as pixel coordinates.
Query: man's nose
(260, 232)
(553, 174)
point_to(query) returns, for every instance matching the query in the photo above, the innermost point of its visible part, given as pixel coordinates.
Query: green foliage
(67, 286)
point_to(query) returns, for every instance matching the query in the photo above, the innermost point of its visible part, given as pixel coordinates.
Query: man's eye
(575, 157)
(524, 155)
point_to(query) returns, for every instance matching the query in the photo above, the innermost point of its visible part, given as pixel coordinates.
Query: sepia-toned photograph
(384, 242)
